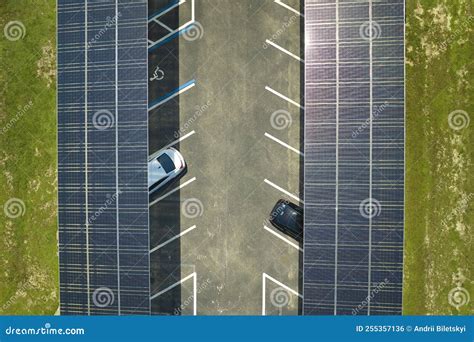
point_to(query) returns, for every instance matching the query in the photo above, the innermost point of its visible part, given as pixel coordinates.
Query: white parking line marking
(283, 190)
(288, 7)
(172, 239)
(173, 191)
(192, 275)
(179, 29)
(284, 50)
(292, 244)
(284, 144)
(162, 25)
(195, 294)
(176, 141)
(171, 144)
(172, 96)
(284, 97)
(264, 277)
(167, 10)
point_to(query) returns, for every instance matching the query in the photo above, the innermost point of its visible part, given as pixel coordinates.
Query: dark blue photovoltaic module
(102, 158)
(354, 157)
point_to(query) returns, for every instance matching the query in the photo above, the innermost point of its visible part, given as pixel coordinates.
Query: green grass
(28, 248)
(439, 182)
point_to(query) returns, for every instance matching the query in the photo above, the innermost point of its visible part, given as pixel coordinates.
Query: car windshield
(166, 163)
(290, 217)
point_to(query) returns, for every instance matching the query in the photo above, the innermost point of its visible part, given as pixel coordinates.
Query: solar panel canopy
(354, 157)
(102, 157)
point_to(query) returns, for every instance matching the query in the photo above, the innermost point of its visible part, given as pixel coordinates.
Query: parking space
(226, 92)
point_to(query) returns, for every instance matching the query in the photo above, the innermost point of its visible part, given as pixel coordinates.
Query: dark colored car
(288, 218)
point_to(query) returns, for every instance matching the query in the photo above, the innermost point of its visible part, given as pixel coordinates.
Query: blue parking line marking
(160, 11)
(170, 38)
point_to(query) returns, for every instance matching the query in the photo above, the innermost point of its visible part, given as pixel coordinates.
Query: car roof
(287, 214)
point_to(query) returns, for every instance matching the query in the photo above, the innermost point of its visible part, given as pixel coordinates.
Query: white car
(167, 166)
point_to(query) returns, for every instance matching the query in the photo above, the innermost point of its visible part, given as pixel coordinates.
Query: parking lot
(225, 90)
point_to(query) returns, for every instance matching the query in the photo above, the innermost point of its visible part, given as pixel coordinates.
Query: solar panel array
(354, 157)
(102, 158)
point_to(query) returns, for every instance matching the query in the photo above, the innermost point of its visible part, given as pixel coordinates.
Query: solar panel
(102, 157)
(354, 157)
